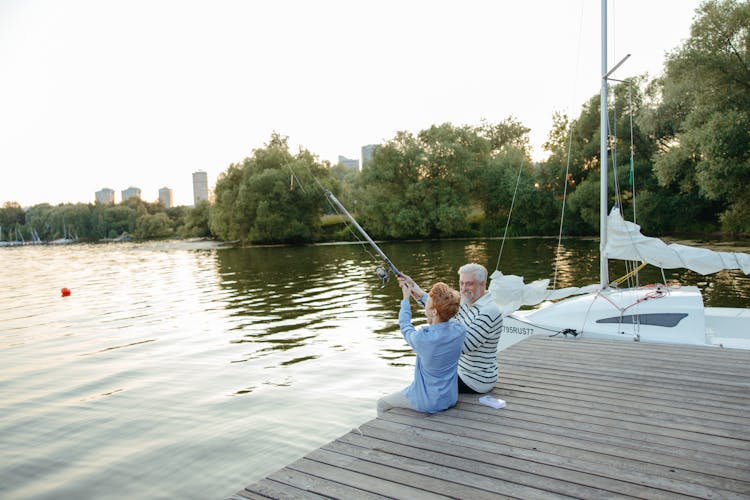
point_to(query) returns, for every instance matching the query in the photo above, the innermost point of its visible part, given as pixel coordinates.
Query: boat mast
(603, 140)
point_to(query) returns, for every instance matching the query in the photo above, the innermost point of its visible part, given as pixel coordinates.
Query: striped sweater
(477, 365)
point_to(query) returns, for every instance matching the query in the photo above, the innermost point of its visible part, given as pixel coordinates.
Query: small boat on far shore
(67, 239)
(120, 239)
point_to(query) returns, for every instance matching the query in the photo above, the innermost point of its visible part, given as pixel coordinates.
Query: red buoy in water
(65, 292)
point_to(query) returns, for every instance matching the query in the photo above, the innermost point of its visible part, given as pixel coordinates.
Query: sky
(119, 93)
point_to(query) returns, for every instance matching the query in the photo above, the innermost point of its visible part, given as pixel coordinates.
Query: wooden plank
(565, 371)
(267, 488)
(650, 450)
(424, 476)
(296, 475)
(590, 460)
(685, 355)
(551, 378)
(585, 419)
(430, 475)
(643, 442)
(501, 466)
(619, 348)
(624, 429)
(576, 401)
(700, 381)
(640, 354)
(642, 360)
(643, 410)
(707, 374)
(356, 483)
(478, 480)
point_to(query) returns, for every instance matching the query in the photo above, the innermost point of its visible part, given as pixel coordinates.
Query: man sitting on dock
(477, 366)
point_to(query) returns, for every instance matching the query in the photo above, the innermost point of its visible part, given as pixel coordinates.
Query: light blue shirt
(438, 347)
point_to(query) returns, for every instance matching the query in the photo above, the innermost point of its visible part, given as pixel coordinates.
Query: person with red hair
(477, 367)
(438, 347)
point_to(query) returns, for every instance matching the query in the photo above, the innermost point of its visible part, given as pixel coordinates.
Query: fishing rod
(381, 272)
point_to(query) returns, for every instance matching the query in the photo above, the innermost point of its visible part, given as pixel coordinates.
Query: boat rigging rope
(562, 211)
(632, 148)
(510, 211)
(567, 163)
(631, 269)
(567, 166)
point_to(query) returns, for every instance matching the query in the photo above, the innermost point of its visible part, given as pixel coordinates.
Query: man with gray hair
(477, 366)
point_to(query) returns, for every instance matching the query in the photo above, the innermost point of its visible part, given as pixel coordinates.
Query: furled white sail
(625, 242)
(510, 292)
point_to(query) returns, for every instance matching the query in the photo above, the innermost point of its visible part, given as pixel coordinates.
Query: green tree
(346, 180)
(508, 134)
(702, 121)
(428, 185)
(574, 162)
(120, 219)
(38, 218)
(419, 185)
(509, 181)
(12, 218)
(11, 214)
(196, 221)
(272, 196)
(153, 226)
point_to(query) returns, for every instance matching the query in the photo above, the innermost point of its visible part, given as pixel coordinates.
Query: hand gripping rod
(362, 232)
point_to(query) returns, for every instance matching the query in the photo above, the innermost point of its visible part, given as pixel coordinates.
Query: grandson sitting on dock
(438, 347)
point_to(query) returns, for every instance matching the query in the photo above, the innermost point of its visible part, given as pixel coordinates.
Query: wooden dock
(584, 419)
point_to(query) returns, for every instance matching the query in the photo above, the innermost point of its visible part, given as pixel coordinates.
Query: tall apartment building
(131, 192)
(165, 197)
(105, 196)
(200, 186)
(367, 153)
(348, 163)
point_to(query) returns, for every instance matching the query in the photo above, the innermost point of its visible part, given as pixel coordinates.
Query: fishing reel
(383, 274)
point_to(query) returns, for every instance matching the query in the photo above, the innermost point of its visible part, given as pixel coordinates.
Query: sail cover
(625, 242)
(510, 292)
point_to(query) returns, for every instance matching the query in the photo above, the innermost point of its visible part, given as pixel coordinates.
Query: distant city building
(131, 192)
(200, 186)
(105, 197)
(165, 197)
(367, 153)
(348, 163)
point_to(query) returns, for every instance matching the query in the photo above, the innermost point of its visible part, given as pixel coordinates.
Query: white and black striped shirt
(477, 366)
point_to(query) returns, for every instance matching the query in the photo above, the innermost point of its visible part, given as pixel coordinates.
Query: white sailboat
(656, 313)
(67, 238)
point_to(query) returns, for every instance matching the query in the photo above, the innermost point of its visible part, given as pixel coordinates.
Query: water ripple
(173, 356)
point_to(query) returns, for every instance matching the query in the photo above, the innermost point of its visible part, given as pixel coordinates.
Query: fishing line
(336, 210)
(294, 176)
(381, 272)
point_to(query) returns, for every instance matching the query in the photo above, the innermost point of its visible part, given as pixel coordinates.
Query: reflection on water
(172, 358)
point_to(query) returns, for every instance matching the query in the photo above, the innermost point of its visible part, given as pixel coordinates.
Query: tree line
(132, 218)
(680, 154)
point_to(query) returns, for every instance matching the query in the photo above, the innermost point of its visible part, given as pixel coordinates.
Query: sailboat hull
(648, 314)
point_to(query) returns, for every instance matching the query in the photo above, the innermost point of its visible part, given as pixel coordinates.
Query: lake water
(186, 369)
